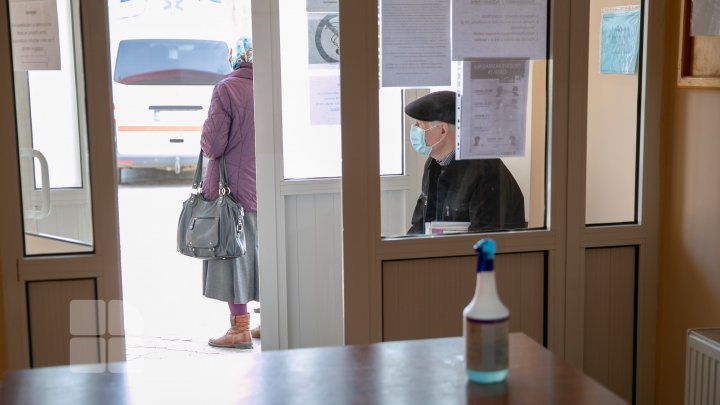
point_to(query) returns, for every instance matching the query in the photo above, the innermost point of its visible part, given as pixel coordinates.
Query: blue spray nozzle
(485, 249)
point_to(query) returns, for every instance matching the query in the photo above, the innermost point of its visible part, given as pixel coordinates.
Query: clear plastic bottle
(486, 323)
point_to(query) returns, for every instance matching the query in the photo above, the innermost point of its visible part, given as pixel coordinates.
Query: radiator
(702, 367)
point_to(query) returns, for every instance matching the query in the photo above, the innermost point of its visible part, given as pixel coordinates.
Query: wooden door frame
(364, 249)
(644, 234)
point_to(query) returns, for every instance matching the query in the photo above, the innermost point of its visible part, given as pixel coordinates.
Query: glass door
(60, 263)
(52, 134)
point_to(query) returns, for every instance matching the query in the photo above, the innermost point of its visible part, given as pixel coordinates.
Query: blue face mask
(417, 139)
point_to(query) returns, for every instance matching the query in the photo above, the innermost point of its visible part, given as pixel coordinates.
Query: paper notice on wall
(415, 53)
(619, 39)
(499, 29)
(493, 109)
(34, 32)
(323, 38)
(325, 100)
(705, 20)
(322, 6)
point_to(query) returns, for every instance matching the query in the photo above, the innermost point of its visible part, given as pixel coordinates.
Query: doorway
(165, 60)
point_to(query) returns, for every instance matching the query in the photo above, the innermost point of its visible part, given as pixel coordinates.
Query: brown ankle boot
(255, 332)
(238, 336)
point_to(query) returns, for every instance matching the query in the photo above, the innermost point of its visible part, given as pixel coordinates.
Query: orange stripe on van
(154, 128)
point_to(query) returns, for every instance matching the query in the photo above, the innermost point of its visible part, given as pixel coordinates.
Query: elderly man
(480, 191)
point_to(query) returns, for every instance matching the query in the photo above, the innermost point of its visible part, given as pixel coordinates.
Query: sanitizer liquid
(486, 322)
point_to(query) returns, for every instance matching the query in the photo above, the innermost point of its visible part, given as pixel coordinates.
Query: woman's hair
(243, 52)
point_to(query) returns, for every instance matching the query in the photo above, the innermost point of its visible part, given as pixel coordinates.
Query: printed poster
(325, 100)
(493, 109)
(34, 32)
(322, 6)
(620, 40)
(705, 19)
(499, 29)
(323, 38)
(414, 53)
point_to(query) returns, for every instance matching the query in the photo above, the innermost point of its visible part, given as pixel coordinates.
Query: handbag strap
(224, 189)
(198, 183)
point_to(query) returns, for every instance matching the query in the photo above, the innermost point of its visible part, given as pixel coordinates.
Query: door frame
(269, 166)
(102, 265)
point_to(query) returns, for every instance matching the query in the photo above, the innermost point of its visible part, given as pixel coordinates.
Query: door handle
(44, 211)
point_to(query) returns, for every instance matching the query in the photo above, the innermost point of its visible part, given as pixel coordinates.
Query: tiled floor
(142, 348)
(166, 315)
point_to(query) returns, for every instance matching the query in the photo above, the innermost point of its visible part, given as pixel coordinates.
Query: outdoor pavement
(166, 315)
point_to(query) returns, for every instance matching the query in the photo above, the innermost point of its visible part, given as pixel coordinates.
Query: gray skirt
(235, 280)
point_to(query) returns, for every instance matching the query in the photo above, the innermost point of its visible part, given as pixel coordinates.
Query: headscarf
(243, 52)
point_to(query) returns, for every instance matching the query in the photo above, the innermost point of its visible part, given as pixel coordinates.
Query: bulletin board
(699, 56)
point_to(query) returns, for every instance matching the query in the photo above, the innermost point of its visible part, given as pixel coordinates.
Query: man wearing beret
(480, 191)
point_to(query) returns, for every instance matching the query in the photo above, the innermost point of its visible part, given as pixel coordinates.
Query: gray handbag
(211, 229)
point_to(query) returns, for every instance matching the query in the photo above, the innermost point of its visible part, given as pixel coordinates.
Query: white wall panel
(396, 209)
(314, 270)
(69, 217)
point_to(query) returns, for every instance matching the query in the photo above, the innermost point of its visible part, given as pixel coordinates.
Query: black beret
(437, 106)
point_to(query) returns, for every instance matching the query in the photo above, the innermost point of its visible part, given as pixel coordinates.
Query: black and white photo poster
(493, 109)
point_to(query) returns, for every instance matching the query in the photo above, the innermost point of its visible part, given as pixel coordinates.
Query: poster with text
(34, 31)
(414, 53)
(619, 39)
(325, 100)
(705, 19)
(322, 6)
(493, 109)
(499, 29)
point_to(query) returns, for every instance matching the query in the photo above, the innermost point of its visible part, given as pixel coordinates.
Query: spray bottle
(486, 323)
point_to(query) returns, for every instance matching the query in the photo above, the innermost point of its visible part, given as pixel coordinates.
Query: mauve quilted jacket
(229, 130)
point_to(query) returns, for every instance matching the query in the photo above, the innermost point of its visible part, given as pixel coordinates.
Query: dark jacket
(480, 191)
(229, 130)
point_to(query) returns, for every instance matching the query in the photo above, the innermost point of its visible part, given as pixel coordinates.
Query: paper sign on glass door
(415, 53)
(325, 100)
(705, 20)
(620, 39)
(499, 29)
(35, 42)
(493, 109)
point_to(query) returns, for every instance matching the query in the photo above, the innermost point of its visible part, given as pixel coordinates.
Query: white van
(162, 89)
(166, 57)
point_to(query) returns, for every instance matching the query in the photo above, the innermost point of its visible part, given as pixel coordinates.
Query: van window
(171, 62)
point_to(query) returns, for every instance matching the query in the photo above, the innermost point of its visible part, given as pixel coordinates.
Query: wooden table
(408, 372)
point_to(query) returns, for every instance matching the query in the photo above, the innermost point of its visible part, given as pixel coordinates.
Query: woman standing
(229, 131)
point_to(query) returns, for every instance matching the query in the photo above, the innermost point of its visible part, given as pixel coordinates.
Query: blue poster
(620, 40)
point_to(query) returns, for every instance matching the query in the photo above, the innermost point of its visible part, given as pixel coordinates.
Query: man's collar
(448, 159)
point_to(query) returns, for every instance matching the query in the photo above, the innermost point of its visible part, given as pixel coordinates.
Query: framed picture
(699, 56)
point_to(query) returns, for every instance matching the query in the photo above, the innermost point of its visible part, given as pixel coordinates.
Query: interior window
(479, 161)
(310, 66)
(612, 112)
